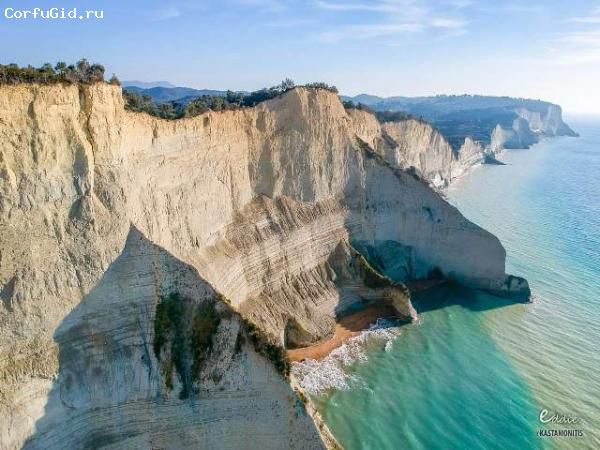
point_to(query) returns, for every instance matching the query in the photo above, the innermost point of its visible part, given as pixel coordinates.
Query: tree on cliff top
(175, 109)
(81, 72)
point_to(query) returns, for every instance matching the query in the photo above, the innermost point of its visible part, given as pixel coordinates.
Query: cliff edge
(123, 234)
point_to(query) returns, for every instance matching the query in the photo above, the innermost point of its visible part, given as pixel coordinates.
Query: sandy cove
(347, 327)
(352, 324)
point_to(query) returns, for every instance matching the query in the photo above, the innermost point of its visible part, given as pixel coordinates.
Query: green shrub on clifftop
(80, 72)
(177, 109)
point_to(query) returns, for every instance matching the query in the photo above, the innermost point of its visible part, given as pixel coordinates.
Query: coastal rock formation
(259, 214)
(416, 144)
(547, 122)
(519, 136)
(408, 143)
(529, 127)
(455, 133)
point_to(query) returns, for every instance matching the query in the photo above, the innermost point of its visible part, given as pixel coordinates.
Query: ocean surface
(475, 371)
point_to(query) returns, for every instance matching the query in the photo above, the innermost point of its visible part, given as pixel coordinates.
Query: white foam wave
(333, 371)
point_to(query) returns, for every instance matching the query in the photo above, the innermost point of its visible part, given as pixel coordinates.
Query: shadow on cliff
(402, 266)
(109, 387)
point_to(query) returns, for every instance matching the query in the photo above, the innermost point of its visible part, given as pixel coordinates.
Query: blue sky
(539, 49)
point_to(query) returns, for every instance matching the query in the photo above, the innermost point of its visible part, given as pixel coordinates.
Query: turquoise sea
(475, 372)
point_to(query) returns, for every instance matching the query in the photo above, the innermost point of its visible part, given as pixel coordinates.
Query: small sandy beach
(352, 324)
(347, 327)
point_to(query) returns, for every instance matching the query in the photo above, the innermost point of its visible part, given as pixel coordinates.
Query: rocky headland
(454, 133)
(152, 272)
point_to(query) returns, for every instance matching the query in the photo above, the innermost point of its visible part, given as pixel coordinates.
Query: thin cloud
(580, 46)
(290, 23)
(396, 18)
(265, 5)
(382, 6)
(333, 6)
(169, 12)
(581, 57)
(593, 18)
(362, 32)
(450, 23)
(513, 8)
(460, 3)
(591, 38)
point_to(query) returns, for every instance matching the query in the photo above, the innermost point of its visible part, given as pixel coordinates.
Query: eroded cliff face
(104, 212)
(416, 143)
(528, 128)
(548, 122)
(476, 127)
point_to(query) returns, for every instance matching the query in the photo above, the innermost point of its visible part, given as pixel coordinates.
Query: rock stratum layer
(276, 208)
(416, 145)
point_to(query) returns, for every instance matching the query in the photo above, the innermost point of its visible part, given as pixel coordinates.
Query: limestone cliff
(104, 213)
(529, 127)
(418, 145)
(476, 128)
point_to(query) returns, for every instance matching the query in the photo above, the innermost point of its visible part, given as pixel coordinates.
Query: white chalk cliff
(103, 212)
(414, 143)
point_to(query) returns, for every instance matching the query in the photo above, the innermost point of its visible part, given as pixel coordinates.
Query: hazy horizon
(548, 51)
(432, 94)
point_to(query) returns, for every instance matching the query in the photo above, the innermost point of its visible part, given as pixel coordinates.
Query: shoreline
(353, 324)
(345, 328)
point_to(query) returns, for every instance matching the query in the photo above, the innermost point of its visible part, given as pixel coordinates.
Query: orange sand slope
(347, 327)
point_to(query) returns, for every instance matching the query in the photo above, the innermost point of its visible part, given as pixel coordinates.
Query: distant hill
(365, 99)
(146, 84)
(435, 106)
(173, 94)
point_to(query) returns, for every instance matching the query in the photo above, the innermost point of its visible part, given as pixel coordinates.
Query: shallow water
(474, 373)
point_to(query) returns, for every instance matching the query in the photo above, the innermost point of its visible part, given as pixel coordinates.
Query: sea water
(475, 372)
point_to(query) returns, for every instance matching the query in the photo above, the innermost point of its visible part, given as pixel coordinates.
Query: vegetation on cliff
(372, 277)
(264, 345)
(199, 105)
(205, 323)
(383, 116)
(183, 339)
(80, 72)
